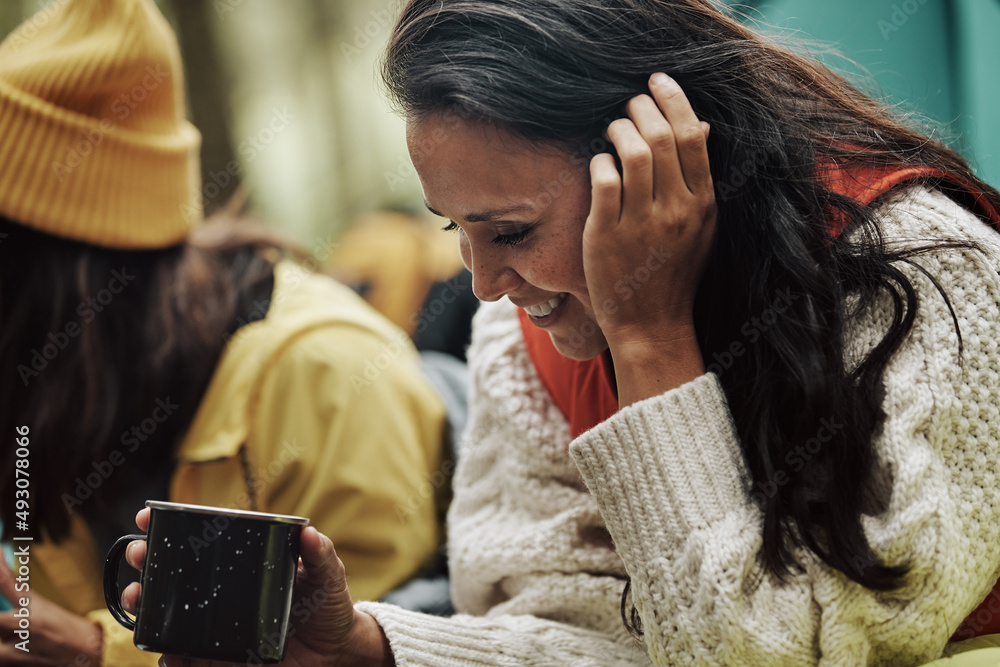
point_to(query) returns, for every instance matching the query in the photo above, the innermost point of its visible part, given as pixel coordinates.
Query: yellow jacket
(317, 410)
(397, 258)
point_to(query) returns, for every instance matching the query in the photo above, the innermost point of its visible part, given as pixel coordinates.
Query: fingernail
(660, 79)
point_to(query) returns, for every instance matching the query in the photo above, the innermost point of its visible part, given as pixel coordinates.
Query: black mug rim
(233, 513)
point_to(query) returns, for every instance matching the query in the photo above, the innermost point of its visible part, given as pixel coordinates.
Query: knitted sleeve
(505, 640)
(533, 569)
(669, 477)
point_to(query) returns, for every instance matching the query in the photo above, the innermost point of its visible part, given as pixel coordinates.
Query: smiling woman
(517, 239)
(827, 495)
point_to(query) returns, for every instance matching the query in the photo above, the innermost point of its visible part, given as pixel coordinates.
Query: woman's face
(519, 212)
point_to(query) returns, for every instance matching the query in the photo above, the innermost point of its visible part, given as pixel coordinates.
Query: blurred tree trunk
(208, 100)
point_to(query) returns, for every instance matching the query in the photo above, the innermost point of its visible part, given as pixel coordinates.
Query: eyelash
(510, 239)
(500, 239)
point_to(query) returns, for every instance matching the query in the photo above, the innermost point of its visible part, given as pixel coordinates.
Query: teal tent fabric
(937, 58)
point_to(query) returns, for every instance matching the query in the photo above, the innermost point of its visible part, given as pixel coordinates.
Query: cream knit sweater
(538, 562)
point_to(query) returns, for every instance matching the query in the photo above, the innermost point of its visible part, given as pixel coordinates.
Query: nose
(492, 278)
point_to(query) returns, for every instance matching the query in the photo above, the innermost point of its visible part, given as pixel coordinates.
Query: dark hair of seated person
(79, 368)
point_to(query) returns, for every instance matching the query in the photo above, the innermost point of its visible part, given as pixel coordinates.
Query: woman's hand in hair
(335, 634)
(58, 637)
(647, 240)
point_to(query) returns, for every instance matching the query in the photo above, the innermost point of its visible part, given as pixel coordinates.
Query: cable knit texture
(539, 581)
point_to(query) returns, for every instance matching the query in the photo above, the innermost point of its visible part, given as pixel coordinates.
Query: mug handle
(112, 595)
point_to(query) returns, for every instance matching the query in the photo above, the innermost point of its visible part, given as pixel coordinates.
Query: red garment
(585, 392)
(869, 183)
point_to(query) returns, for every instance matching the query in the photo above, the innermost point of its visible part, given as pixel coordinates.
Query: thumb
(322, 610)
(319, 566)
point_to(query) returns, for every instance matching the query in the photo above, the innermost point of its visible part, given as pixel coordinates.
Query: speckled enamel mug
(216, 584)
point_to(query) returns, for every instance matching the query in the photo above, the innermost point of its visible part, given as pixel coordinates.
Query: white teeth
(544, 309)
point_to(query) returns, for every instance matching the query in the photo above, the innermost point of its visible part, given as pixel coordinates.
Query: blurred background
(937, 59)
(286, 94)
(286, 90)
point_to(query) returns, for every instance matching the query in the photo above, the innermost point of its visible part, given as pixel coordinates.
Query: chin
(579, 347)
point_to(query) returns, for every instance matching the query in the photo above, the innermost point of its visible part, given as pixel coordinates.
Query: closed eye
(511, 233)
(510, 239)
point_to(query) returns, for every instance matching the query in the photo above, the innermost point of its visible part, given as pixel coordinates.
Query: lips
(544, 309)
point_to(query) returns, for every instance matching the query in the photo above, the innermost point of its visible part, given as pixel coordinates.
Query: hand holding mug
(325, 629)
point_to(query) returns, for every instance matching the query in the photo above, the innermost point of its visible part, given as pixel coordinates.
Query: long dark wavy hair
(93, 337)
(556, 72)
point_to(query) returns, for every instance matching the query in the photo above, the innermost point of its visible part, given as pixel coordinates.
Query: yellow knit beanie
(94, 144)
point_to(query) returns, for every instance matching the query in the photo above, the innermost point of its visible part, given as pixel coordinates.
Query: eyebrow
(489, 215)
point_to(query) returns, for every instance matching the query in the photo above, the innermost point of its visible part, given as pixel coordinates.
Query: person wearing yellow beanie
(146, 354)
(93, 139)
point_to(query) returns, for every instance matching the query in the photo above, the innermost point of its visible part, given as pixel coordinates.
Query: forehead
(468, 166)
(449, 137)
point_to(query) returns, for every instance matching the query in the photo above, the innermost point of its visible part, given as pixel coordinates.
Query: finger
(8, 584)
(142, 519)
(606, 193)
(130, 597)
(319, 561)
(11, 655)
(173, 661)
(314, 548)
(668, 177)
(637, 168)
(689, 134)
(7, 623)
(135, 553)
